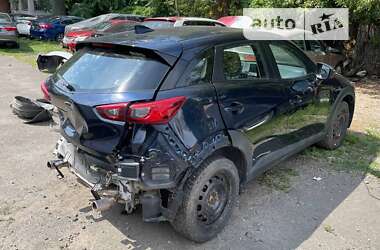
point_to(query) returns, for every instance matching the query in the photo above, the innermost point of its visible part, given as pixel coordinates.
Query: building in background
(33, 7)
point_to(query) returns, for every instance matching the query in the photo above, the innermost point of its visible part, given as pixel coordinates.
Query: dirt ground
(38, 211)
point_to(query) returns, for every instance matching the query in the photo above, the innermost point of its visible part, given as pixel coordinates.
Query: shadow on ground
(270, 216)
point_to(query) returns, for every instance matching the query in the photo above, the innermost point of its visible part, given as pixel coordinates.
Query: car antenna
(141, 29)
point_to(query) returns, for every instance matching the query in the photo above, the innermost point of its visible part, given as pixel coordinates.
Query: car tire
(337, 129)
(210, 195)
(59, 37)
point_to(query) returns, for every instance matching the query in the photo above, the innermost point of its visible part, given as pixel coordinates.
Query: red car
(71, 38)
(236, 21)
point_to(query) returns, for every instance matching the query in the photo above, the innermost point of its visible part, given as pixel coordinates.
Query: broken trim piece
(51, 61)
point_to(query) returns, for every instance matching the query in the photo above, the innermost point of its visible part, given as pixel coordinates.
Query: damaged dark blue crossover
(178, 120)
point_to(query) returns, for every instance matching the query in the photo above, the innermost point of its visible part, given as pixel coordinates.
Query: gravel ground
(38, 211)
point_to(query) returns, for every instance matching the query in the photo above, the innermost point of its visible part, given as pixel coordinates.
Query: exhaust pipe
(102, 204)
(55, 163)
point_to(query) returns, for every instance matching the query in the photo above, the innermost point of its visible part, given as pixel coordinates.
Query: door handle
(235, 107)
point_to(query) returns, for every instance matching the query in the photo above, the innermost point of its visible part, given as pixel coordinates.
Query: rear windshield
(105, 71)
(158, 24)
(4, 18)
(121, 27)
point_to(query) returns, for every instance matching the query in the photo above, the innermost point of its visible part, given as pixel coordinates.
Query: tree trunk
(221, 8)
(366, 54)
(58, 7)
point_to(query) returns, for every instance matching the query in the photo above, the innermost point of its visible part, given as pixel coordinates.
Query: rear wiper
(69, 86)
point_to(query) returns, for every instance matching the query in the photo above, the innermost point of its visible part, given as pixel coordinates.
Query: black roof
(171, 41)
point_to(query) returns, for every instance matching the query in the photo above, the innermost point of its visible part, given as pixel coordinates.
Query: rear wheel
(337, 129)
(59, 37)
(210, 196)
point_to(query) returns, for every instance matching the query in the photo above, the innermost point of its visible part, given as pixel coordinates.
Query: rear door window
(106, 71)
(240, 63)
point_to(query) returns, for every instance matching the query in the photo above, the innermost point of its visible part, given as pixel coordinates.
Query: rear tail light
(45, 91)
(156, 112)
(45, 25)
(113, 112)
(9, 28)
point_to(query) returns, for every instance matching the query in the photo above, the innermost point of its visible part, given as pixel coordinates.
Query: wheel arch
(351, 106)
(236, 156)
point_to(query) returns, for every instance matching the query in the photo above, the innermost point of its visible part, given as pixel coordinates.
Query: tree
(58, 7)
(364, 27)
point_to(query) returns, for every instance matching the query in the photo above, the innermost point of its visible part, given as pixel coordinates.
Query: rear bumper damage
(111, 183)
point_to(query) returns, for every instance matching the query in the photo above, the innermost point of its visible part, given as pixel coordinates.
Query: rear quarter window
(107, 71)
(4, 18)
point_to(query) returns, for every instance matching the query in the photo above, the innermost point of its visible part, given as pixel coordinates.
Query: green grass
(359, 152)
(278, 178)
(29, 50)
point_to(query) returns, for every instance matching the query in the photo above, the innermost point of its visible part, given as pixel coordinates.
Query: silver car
(8, 30)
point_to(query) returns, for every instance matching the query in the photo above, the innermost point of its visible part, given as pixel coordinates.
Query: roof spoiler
(161, 55)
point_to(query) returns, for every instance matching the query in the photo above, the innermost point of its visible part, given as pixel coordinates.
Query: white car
(23, 25)
(167, 22)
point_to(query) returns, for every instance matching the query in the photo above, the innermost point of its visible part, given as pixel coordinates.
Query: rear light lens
(45, 25)
(156, 112)
(45, 91)
(113, 112)
(9, 28)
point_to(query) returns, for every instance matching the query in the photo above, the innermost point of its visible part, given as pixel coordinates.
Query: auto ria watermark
(296, 23)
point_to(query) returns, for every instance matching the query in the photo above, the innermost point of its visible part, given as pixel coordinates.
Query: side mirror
(51, 61)
(324, 71)
(333, 50)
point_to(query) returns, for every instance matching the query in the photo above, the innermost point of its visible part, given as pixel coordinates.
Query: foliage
(29, 50)
(361, 11)
(359, 152)
(89, 8)
(201, 8)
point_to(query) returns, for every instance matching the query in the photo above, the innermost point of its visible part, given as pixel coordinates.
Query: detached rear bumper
(110, 183)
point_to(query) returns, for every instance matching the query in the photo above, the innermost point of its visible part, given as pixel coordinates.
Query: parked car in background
(91, 22)
(236, 21)
(17, 16)
(116, 27)
(8, 30)
(315, 49)
(319, 52)
(72, 37)
(51, 28)
(23, 24)
(168, 22)
(177, 120)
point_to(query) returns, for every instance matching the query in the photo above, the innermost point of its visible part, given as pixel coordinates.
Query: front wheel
(337, 128)
(209, 198)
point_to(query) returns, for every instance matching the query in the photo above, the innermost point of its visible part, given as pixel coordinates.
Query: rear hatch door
(98, 77)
